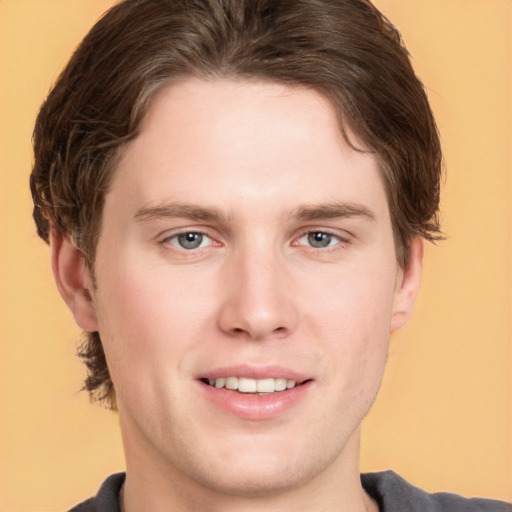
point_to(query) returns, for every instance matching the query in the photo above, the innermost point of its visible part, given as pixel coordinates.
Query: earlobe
(72, 279)
(407, 286)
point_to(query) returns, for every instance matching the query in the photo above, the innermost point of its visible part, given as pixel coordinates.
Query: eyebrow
(185, 210)
(195, 212)
(333, 210)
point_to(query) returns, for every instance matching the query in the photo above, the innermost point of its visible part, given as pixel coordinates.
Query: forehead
(237, 114)
(228, 141)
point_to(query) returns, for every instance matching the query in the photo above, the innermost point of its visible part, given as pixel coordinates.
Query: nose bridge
(258, 302)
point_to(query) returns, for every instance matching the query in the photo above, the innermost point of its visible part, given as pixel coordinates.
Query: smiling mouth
(257, 386)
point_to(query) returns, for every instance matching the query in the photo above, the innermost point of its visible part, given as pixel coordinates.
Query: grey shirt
(389, 490)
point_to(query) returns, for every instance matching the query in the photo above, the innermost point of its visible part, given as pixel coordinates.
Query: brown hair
(345, 49)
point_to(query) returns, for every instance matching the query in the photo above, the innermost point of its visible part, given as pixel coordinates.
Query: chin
(263, 471)
(257, 481)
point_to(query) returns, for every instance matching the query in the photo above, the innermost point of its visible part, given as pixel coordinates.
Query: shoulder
(394, 494)
(107, 499)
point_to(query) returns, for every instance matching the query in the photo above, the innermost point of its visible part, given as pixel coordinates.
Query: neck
(153, 484)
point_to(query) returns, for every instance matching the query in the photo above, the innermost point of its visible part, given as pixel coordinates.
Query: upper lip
(255, 372)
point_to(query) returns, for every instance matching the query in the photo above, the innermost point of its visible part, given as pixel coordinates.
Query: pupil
(319, 239)
(190, 240)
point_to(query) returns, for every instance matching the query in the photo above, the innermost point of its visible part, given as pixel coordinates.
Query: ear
(73, 279)
(407, 286)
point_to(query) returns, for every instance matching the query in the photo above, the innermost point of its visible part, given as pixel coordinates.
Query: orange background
(443, 417)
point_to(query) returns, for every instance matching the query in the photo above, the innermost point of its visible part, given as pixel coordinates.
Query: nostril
(280, 332)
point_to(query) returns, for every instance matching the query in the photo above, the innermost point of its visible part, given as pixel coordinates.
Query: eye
(319, 239)
(189, 240)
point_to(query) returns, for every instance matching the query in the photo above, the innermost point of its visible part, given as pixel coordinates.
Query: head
(344, 50)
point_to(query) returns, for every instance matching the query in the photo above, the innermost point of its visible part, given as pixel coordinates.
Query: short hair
(344, 49)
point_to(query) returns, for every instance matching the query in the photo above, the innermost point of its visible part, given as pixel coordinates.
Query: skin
(271, 166)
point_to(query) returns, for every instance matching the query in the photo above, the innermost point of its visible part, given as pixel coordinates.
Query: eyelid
(343, 238)
(174, 240)
(164, 239)
(341, 234)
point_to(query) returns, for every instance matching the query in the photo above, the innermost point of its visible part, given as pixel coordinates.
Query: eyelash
(340, 241)
(168, 242)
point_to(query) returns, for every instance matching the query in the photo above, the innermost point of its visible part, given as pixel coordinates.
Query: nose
(258, 298)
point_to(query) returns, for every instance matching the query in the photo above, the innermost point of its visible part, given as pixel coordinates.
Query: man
(236, 195)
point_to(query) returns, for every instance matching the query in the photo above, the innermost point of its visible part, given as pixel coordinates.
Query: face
(247, 285)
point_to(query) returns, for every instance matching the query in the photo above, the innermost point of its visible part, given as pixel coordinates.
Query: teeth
(245, 385)
(280, 384)
(266, 385)
(231, 383)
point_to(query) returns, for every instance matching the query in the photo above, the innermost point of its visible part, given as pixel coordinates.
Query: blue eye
(319, 239)
(190, 240)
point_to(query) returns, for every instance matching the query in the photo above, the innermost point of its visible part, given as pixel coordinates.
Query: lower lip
(256, 407)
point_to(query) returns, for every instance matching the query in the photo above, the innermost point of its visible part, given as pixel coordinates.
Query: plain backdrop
(443, 416)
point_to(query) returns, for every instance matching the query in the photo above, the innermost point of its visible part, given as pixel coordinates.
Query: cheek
(153, 314)
(145, 309)
(146, 332)
(358, 300)
(355, 318)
